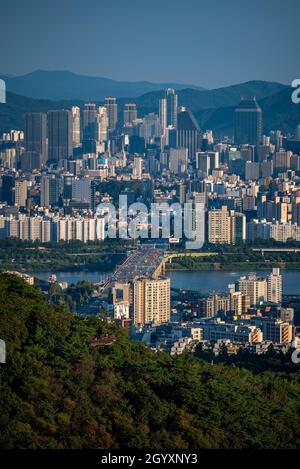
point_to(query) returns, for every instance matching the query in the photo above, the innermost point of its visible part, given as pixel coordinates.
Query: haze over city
(209, 44)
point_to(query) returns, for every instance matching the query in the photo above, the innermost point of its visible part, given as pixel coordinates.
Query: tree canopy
(58, 392)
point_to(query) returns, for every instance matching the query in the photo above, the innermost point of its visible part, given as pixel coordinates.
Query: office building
(237, 227)
(130, 114)
(172, 107)
(178, 160)
(49, 190)
(36, 135)
(110, 103)
(8, 188)
(188, 134)
(248, 123)
(162, 113)
(59, 135)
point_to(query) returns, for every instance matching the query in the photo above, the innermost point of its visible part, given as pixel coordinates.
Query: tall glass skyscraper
(248, 124)
(110, 103)
(59, 134)
(172, 107)
(188, 134)
(36, 134)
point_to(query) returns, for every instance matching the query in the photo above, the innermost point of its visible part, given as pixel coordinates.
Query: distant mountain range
(213, 108)
(196, 100)
(58, 85)
(279, 112)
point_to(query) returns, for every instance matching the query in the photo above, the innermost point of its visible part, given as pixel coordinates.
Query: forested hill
(58, 392)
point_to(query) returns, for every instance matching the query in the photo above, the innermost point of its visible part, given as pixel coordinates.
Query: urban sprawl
(58, 170)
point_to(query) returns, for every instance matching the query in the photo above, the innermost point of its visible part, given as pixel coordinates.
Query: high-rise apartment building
(254, 288)
(162, 113)
(219, 228)
(151, 300)
(102, 124)
(110, 103)
(275, 286)
(75, 126)
(137, 167)
(172, 107)
(130, 113)
(282, 160)
(21, 192)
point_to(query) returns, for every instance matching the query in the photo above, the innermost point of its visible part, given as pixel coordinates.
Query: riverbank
(236, 258)
(219, 280)
(233, 266)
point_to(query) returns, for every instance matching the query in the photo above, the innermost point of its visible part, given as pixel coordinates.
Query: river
(200, 280)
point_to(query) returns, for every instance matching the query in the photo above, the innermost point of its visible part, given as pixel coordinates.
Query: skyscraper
(59, 134)
(162, 112)
(178, 160)
(102, 123)
(75, 126)
(112, 112)
(130, 113)
(248, 125)
(21, 192)
(172, 107)
(8, 185)
(137, 167)
(188, 133)
(36, 134)
(49, 190)
(89, 126)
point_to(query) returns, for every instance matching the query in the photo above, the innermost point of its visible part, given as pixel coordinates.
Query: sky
(211, 43)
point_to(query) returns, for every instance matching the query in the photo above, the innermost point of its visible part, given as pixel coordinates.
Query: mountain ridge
(278, 109)
(63, 84)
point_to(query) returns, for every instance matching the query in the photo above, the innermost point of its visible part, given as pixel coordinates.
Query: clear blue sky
(210, 43)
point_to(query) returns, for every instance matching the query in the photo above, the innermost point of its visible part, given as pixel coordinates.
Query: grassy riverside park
(237, 257)
(105, 255)
(73, 255)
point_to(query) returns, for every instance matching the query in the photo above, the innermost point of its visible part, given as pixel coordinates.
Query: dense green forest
(59, 392)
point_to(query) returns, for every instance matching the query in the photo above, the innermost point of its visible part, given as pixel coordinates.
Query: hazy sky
(210, 43)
